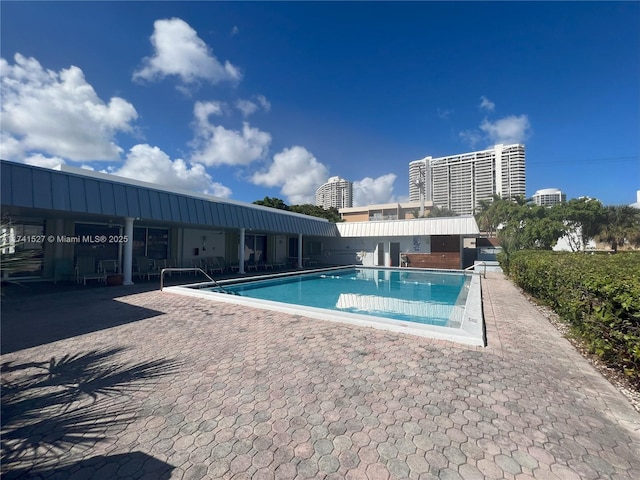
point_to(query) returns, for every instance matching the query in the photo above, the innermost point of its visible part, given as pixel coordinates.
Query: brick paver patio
(149, 384)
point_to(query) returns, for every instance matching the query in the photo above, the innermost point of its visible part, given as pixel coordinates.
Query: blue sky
(247, 100)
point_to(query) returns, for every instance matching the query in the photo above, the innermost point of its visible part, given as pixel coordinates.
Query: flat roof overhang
(29, 190)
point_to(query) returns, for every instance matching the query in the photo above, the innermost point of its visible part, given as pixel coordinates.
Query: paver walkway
(156, 385)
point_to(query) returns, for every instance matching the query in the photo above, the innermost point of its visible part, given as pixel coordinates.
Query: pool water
(430, 298)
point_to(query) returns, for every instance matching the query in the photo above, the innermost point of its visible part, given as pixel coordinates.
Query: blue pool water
(431, 298)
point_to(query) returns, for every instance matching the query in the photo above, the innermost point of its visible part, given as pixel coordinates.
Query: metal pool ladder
(190, 269)
(472, 268)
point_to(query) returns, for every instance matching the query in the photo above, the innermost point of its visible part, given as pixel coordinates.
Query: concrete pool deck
(468, 314)
(128, 382)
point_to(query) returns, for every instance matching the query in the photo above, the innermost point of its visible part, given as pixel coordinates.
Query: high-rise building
(337, 192)
(459, 182)
(548, 197)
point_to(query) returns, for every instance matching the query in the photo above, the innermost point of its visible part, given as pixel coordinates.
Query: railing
(473, 267)
(488, 253)
(191, 269)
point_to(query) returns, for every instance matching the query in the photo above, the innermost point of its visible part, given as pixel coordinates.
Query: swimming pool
(439, 304)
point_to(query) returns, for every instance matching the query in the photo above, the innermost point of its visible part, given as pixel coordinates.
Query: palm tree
(437, 211)
(484, 217)
(622, 225)
(490, 213)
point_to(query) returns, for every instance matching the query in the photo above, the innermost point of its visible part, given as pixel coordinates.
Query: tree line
(330, 214)
(520, 224)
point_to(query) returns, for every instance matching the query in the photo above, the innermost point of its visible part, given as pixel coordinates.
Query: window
(293, 246)
(18, 238)
(150, 242)
(90, 244)
(315, 248)
(157, 243)
(255, 248)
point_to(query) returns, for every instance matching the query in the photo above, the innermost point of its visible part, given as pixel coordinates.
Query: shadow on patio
(70, 311)
(53, 407)
(122, 466)
(74, 309)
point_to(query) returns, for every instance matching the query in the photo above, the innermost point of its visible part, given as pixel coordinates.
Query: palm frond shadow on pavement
(52, 406)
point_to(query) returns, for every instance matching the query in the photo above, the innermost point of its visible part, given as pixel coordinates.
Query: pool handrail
(471, 268)
(188, 269)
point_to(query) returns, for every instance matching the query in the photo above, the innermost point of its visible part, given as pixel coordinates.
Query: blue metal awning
(75, 191)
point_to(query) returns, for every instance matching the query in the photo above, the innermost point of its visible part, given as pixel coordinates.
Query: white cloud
(506, 130)
(371, 191)
(179, 51)
(487, 104)
(472, 137)
(202, 111)
(511, 129)
(10, 148)
(247, 107)
(58, 114)
(234, 30)
(40, 160)
(216, 145)
(150, 164)
(264, 103)
(297, 172)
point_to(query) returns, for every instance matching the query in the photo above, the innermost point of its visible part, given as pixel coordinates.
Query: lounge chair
(109, 267)
(146, 268)
(164, 263)
(197, 263)
(211, 265)
(223, 263)
(252, 266)
(86, 270)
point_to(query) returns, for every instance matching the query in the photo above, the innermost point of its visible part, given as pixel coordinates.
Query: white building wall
(420, 178)
(548, 197)
(459, 182)
(209, 244)
(513, 174)
(364, 250)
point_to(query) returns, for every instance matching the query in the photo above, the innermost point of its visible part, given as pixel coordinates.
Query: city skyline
(247, 100)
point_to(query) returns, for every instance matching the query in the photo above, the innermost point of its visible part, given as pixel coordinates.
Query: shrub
(597, 295)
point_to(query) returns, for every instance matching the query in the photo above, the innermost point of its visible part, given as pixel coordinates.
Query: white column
(120, 250)
(241, 252)
(127, 258)
(299, 250)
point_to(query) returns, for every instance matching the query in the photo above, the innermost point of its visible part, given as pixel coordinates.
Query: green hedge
(598, 295)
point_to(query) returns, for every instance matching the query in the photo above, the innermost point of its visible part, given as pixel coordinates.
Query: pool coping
(471, 331)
